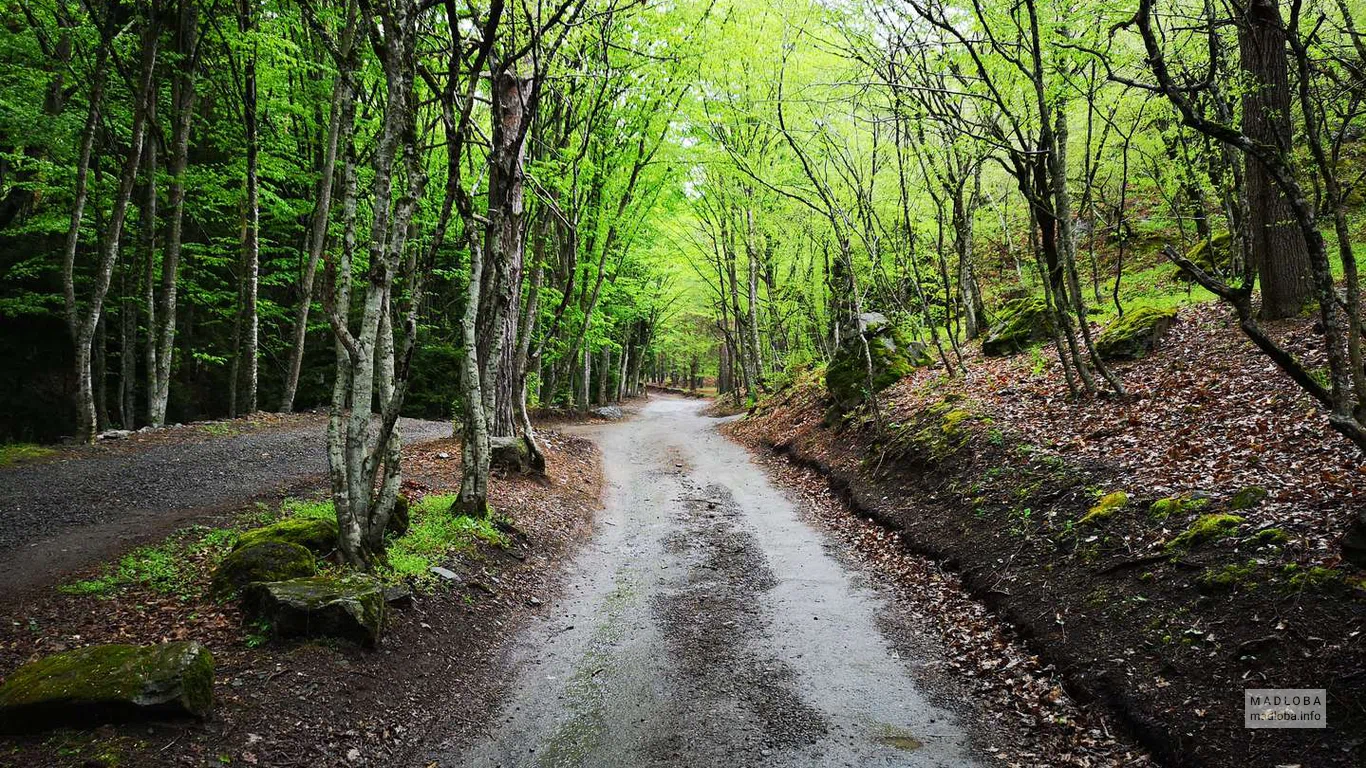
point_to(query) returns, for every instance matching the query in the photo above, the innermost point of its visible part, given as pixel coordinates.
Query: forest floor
(994, 471)
(292, 704)
(80, 505)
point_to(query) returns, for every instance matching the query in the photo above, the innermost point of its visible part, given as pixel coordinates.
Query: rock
(514, 455)
(444, 573)
(1020, 323)
(114, 434)
(893, 357)
(1213, 257)
(400, 518)
(1248, 498)
(108, 683)
(350, 607)
(318, 534)
(610, 412)
(1135, 334)
(268, 561)
(398, 595)
(1354, 542)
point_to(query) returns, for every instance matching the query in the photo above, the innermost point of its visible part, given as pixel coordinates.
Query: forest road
(706, 625)
(97, 502)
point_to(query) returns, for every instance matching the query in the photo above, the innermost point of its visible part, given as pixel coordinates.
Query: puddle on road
(897, 738)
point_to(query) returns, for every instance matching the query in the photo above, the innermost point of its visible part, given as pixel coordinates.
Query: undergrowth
(170, 567)
(15, 453)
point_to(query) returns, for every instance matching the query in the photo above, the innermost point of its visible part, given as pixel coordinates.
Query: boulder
(609, 412)
(400, 518)
(1135, 334)
(349, 607)
(1019, 324)
(1213, 257)
(268, 561)
(108, 683)
(1354, 542)
(318, 534)
(514, 455)
(893, 357)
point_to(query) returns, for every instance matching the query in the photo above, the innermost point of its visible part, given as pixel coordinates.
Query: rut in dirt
(706, 625)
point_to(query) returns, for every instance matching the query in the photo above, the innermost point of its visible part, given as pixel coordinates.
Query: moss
(893, 358)
(1105, 508)
(18, 453)
(1205, 529)
(1176, 505)
(270, 561)
(1271, 536)
(1248, 498)
(1135, 334)
(350, 607)
(942, 429)
(108, 683)
(318, 534)
(1228, 578)
(1213, 256)
(1315, 578)
(1021, 323)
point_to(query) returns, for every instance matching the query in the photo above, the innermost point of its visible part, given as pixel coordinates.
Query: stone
(444, 573)
(268, 561)
(108, 683)
(515, 456)
(1020, 324)
(1213, 257)
(115, 434)
(1135, 334)
(893, 357)
(317, 534)
(348, 607)
(1248, 498)
(1354, 542)
(610, 412)
(400, 517)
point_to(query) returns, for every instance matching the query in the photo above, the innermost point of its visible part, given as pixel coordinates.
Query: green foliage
(168, 568)
(435, 534)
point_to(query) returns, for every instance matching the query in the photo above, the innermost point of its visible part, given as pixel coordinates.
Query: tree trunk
(182, 101)
(1278, 247)
(317, 234)
(251, 235)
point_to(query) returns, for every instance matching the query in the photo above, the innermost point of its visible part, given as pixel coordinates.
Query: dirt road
(706, 625)
(98, 501)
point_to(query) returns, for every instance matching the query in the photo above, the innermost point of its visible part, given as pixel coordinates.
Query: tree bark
(1279, 250)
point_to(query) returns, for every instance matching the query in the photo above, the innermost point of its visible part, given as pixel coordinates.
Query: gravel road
(706, 625)
(61, 515)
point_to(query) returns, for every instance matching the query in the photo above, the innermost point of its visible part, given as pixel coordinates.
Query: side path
(92, 503)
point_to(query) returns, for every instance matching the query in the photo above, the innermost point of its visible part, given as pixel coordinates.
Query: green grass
(16, 453)
(308, 508)
(167, 568)
(219, 429)
(435, 534)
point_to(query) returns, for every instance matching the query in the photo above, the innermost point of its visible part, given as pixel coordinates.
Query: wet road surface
(706, 625)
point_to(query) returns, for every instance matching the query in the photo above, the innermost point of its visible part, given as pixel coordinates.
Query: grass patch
(17, 453)
(434, 534)
(167, 568)
(219, 429)
(309, 508)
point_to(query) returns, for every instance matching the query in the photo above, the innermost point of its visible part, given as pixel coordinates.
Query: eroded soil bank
(1163, 635)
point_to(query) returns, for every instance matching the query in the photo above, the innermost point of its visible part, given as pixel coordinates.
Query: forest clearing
(682, 383)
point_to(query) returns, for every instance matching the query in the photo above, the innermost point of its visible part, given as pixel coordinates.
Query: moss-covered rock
(318, 534)
(1105, 508)
(1176, 506)
(1248, 498)
(268, 561)
(1271, 537)
(1205, 529)
(514, 455)
(1135, 334)
(1213, 256)
(108, 683)
(1354, 541)
(350, 607)
(1019, 324)
(893, 357)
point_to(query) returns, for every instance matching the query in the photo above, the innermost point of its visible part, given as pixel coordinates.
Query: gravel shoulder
(87, 504)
